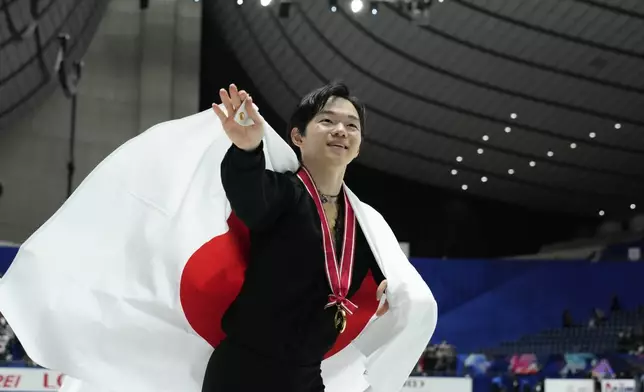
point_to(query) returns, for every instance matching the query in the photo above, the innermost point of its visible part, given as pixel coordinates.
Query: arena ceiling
(535, 102)
(30, 46)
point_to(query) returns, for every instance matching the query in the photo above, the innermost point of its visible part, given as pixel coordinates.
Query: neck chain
(327, 198)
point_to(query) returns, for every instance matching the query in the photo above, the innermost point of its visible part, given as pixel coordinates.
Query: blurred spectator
(600, 315)
(6, 337)
(631, 341)
(439, 359)
(624, 342)
(597, 318)
(5, 352)
(420, 365)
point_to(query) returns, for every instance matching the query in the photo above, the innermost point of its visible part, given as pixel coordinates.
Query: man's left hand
(379, 293)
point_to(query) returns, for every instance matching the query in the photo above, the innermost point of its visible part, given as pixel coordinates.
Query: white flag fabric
(96, 292)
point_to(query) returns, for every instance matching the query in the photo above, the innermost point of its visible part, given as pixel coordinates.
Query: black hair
(313, 102)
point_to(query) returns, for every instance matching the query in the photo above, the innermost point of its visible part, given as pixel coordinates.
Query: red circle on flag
(213, 277)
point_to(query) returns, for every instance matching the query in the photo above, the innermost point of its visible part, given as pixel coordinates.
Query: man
(145, 263)
(289, 223)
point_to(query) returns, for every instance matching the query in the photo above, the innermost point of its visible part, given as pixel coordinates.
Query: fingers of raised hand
(243, 95)
(220, 113)
(252, 112)
(232, 101)
(234, 96)
(225, 99)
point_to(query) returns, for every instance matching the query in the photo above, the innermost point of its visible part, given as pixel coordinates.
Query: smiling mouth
(338, 146)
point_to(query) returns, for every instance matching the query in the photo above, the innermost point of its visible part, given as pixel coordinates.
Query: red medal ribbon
(338, 274)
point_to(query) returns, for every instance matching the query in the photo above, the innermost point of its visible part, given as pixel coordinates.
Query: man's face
(333, 135)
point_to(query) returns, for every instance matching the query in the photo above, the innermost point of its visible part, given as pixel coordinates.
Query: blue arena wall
(483, 302)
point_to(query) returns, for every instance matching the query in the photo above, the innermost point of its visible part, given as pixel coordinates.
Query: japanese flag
(123, 288)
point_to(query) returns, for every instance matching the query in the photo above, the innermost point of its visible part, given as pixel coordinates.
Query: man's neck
(327, 178)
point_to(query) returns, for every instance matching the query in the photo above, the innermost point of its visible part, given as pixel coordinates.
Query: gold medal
(340, 320)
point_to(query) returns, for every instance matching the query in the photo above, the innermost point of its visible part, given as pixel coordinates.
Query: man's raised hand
(244, 137)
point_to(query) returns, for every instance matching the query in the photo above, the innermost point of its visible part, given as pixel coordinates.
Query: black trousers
(236, 368)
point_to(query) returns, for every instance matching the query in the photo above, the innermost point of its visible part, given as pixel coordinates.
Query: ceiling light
(265, 3)
(479, 151)
(573, 145)
(618, 126)
(240, 2)
(374, 8)
(356, 6)
(483, 179)
(633, 206)
(508, 129)
(459, 159)
(592, 135)
(533, 163)
(464, 187)
(510, 171)
(486, 138)
(601, 212)
(454, 172)
(550, 153)
(513, 116)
